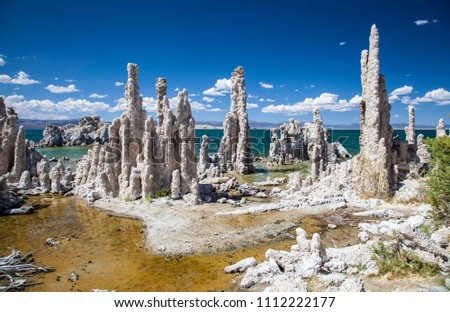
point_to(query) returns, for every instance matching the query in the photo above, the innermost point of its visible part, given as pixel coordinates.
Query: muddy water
(107, 252)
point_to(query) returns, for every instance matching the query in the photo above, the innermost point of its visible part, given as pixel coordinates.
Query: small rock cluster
(88, 131)
(310, 265)
(336, 268)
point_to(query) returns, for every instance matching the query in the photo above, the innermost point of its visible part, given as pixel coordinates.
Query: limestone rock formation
(375, 169)
(302, 143)
(422, 150)
(235, 151)
(384, 160)
(21, 164)
(141, 158)
(410, 129)
(289, 271)
(88, 131)
(8, 120)
(207, 166)
(440, 129)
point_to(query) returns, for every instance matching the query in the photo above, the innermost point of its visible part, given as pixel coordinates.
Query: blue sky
(64, 59)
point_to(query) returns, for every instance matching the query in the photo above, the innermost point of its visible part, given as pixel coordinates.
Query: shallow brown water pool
(107, 252)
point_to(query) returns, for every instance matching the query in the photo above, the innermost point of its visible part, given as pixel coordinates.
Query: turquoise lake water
(261, 141)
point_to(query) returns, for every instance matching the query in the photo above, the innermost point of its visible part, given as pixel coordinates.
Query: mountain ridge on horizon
(36, 124)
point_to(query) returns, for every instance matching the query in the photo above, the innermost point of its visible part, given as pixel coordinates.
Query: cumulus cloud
(207, 99)
(400, 94)
(266, 85)
(60, 89)
(69, 80)
(118, 84)
(150, 104)
(270, 100)
(421, 22)
(221, 88)
(326, 101)
(98, 96)
(22, 78)
(405, 90)
(439, 96)
(342, 43)
(48, 109)
(252, 105)
(2, 62)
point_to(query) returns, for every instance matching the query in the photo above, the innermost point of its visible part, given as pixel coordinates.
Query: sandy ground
(178, 228)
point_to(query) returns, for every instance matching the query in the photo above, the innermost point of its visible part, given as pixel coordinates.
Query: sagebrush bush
(438, 182)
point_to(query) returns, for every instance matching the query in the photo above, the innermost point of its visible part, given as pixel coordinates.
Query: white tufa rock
(141, 158)
(410, 129)
(440, 129)
(241, 266)
(21, 164)
(235, 151)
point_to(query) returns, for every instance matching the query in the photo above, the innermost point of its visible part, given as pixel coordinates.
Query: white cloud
(439, 96)
(56, 78)
(266, 85)
(326, 101)
(251, 96)
(393, 98)
(69, 80)
(47, 109)
(59, 89)
(221, 88)
(266, 100)
(342, 43)
(405, 90)
(118, 84)
(207, 99)
(98, 96)
(252, 105)
(21, 78)
(421, 22)
(2, 62)
(435, 20)
(177, 89)
(396, 116)
(150, 104)
(193, 94)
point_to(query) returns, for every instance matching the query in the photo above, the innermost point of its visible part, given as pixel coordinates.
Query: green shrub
(391, 259)
(438, 182)
(164, 192)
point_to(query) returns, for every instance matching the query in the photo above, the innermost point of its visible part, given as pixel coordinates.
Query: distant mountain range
(32, 124)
